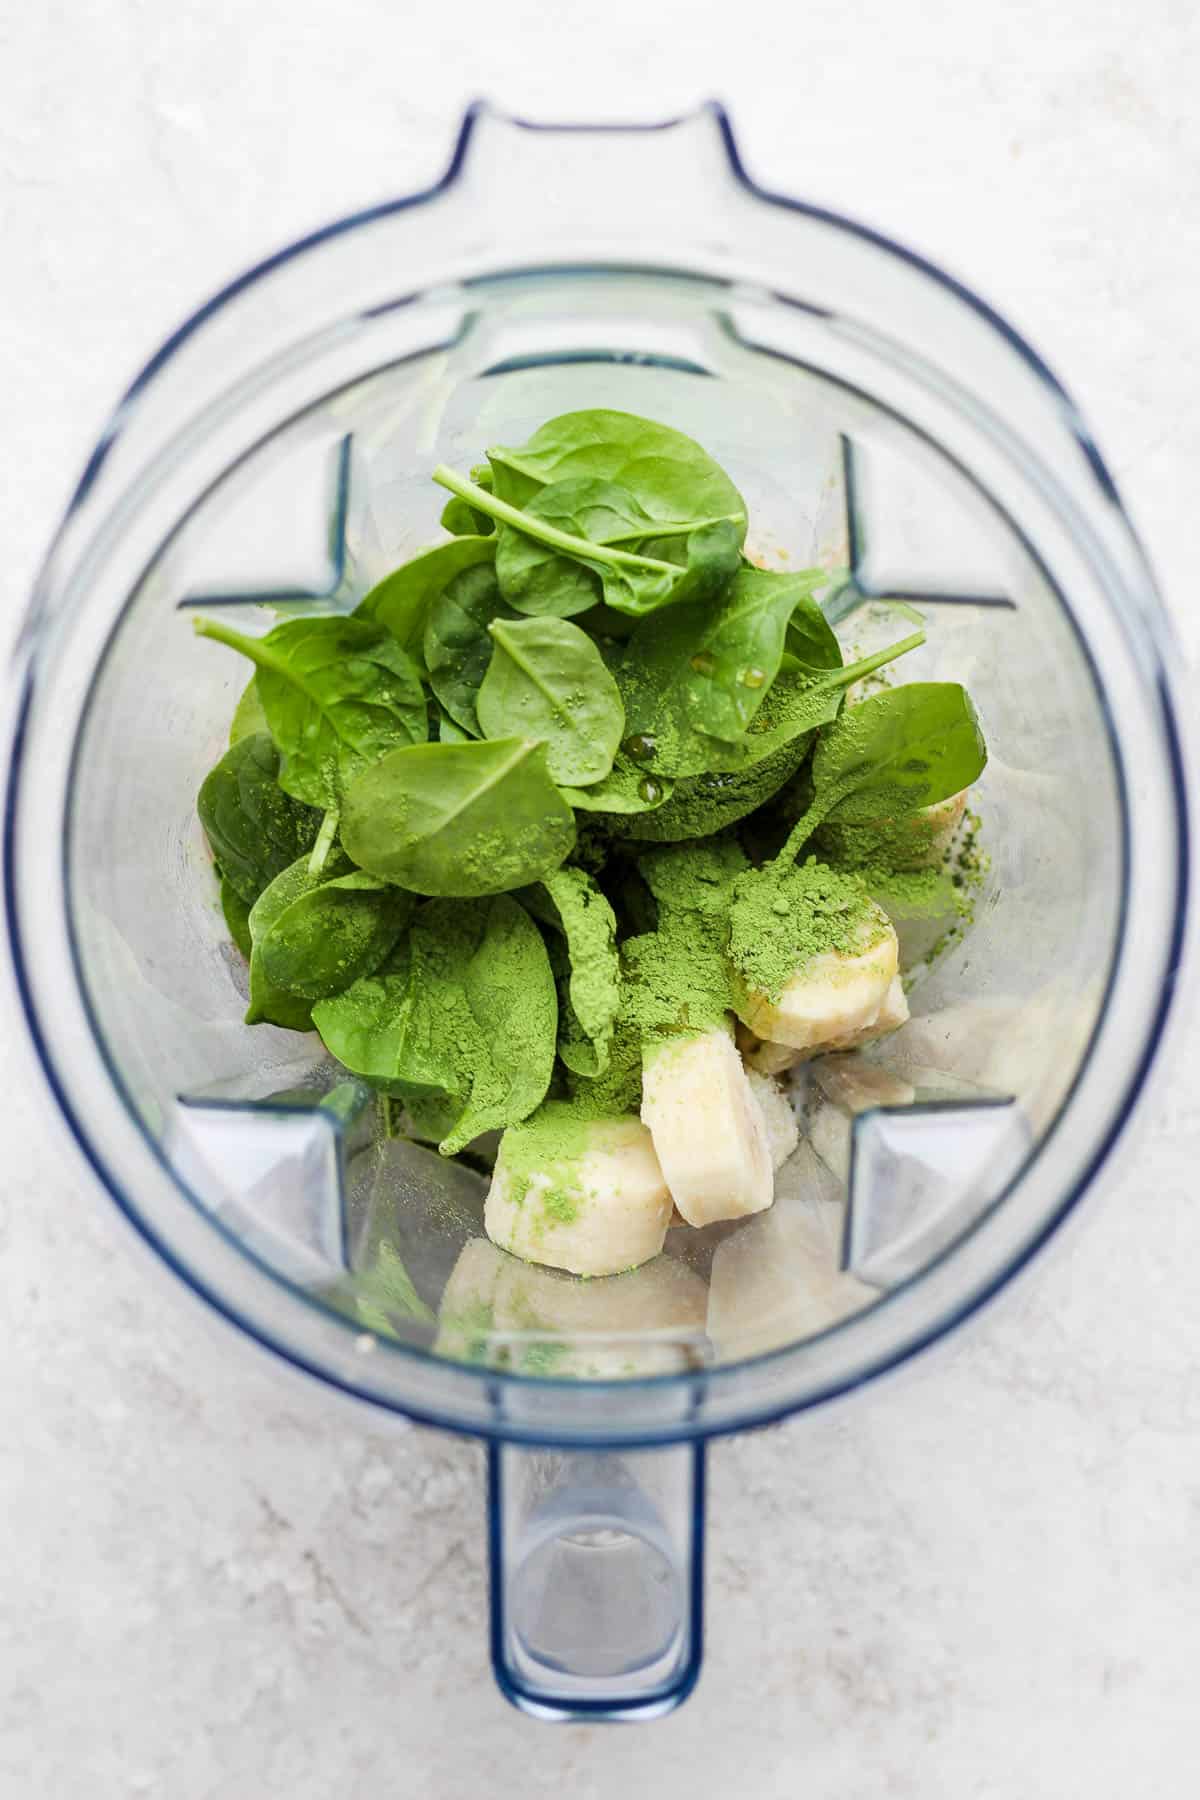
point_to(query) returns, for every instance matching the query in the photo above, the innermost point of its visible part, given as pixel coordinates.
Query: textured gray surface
(981, 1581)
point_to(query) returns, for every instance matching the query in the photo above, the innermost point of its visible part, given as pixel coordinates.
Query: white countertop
(981, 1581)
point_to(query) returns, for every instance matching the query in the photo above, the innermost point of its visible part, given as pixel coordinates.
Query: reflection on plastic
(513, 1315)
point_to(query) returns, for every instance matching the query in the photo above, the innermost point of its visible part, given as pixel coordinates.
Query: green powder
(898, 862)
(619, 1089)
(675, 982)
(561, 1206)
(543, 1359)
(673, 979)
(585, 967)
(548, 1144)
(702, 804)
(695, 880)
(904, 842)
(783, 916)
(677, 977)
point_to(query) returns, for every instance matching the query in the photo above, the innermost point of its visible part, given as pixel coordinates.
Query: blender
(272, 458)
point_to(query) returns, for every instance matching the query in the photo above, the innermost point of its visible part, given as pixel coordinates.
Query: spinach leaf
(903, 749)
(364, 1026)
(738, 641)
(237, 916)
(464, 520)
(538, 579)
(627, 788)
(457, 646)
(668, 474)
(465, 1022)
(269, 1004)
(448, 731)
(459, 819)
(248, 716)
(630, 582)
(401, 601)
(811, 639)
(253, 828)
(548, 680)
(703, 804)
(333, 933)
(656, 679)
(588, 1007)
(337, 692)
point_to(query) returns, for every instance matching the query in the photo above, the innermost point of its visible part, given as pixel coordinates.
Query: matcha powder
(782, 917)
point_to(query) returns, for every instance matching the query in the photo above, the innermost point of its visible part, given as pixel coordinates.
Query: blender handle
(597, 1578)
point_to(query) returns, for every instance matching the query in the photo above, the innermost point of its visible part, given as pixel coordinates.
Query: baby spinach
(459, 819)
(893, 754)
(547, 680)
(657, 682)
(466, 1020)
(337, 693)
(669, 475)
(627, 788)
(630, 582)
(703, 804)
(810, 638)
(253, 828)
(237, 916)
(364, 1026)
(538, 579)
(401, 601)
(268, 1003)
(457, 646)
(590, 994)
(248, 716)
(738, 640)
(331, 934)
(464, 520)
(448, 730)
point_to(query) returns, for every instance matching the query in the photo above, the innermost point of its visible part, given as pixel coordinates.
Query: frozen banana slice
(585, 1195)
(779, 1121)
(513, 1315)
(891, 1015)
(707, 1127)
(832, 995)
(759, 1053)
(648, 1321)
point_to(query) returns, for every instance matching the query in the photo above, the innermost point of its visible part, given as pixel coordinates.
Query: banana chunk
(779, 1121)
(831, 996)
(707, 1127)
(587, 1196)
(890, 1017)
(648, 1321)
(758, 1053)
(512, 1315)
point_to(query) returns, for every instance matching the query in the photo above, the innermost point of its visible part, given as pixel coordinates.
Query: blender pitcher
(273, 457)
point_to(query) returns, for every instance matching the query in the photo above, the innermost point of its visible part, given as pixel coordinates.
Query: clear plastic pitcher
(275, 455)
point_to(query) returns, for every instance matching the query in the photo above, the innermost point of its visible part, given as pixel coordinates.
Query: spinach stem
(324, 843)
(867, 665)
(807, 823)
(544, 533)
(800, 833)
